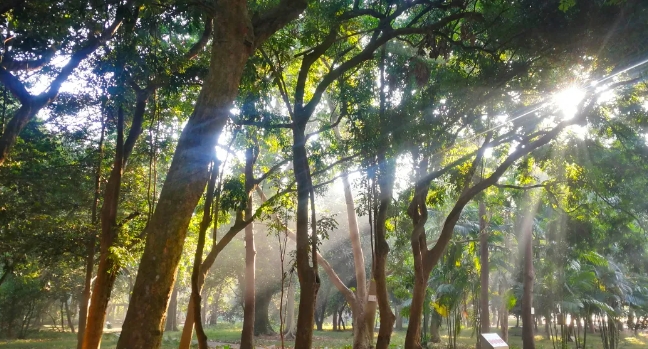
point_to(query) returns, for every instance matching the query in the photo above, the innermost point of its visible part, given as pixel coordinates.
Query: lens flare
(568, 100)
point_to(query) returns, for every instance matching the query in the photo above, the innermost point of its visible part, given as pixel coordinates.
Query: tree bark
(68, 314)
(91, 241)
(196, 282)
(249, 316)
(484, 316)
(187, 175)
(435, 324)
(260, 317)
(504, 314)
(399, 319)
(308, 277)
(172, 311)
(108, 264)
(213, 317)
(386, 185)
(290, 309)
(527, 295)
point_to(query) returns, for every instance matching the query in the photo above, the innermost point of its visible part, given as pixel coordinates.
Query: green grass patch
(228, 333)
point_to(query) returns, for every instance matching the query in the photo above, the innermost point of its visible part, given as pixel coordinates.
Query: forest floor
(226, 336)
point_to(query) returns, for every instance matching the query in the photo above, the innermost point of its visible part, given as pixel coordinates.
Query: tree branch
(204, 38)
(271, 20)
(272, 170)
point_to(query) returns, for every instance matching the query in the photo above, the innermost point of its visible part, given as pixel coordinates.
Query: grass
(227, 333)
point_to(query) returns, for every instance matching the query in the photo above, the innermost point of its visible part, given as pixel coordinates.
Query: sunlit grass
(231, 333)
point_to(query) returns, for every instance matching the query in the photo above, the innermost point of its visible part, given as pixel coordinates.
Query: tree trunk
(172, 311)
(91, 241)
(413, 336)
(484, 319)
(68, 314)
(435, 325)
(370, 306)
(363, 307)
(188, 172)
(308, 277)
(185, 183)
(62, 322)
(108, 264)
(527, 296)
(204, 297)
(399, 319)
(213, 318)
(261, 319)
(197, 293)
(386, 185)
(249, 315)
(504, 314)
(290, 309)
(335, 321)
(320, 308)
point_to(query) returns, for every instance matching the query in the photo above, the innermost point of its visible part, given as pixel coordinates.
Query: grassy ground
(226, 333)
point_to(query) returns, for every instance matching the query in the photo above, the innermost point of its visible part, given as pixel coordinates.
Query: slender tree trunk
(504, 314)
(484, 319)
(527, 296)
(68, 314)
(308, 277)
(249, 318)
(196, 280)
(364, 309)
(91, 241)
(385, 184)
(108, 265)
(335, 321)
(290, 309)
(62, 312)
(172, 311)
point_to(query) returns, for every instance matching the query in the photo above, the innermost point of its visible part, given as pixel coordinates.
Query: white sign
(372, 298)
(494, 340)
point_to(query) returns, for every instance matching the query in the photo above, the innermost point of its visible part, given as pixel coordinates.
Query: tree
(22, 60)
(187, 175)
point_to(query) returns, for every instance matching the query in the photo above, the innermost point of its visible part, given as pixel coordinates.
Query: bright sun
(568, 99)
